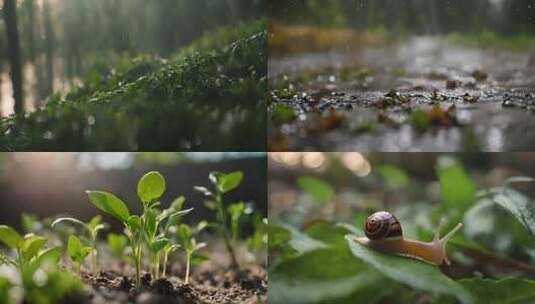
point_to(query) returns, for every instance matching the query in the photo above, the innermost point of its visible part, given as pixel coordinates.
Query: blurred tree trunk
(13, 51)
(29, 6)
(49, 48)
(1, 92)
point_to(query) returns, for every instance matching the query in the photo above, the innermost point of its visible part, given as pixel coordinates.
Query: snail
(383, 233)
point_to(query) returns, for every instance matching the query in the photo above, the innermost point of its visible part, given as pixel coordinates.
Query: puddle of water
(486, 124)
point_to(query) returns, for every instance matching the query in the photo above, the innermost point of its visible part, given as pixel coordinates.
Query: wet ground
(421, 95)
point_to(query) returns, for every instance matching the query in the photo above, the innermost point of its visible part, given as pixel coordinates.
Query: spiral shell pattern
(382, 225)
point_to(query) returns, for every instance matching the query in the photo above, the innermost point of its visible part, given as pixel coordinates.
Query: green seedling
(236, 212)
(186, 236)
(117, 244)
(93, 227)
(30, 250)
(77, 252)
(144, 229)
(259, 239)
(222, 184)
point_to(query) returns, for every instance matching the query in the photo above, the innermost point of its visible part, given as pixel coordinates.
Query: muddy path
(421, 95)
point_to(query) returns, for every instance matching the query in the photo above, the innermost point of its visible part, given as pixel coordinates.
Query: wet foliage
(317, 211)
(149, 104)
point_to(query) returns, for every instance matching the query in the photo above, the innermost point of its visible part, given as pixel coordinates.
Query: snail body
(383, 233)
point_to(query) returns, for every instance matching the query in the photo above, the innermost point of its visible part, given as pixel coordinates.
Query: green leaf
(278, 237)
(110, 204)
(10, 237)
(184, 232)
(74, 248)
(282, 114)
(178, 203)
(150, 223)
(320, 190)
(158, 244)
(506, 291)
(197, 259)
(419, 120)
(325, 276)
(134, 222)
(301, 242)
(117, 244)
(236, 210)
(151, 187)
(51, 256)
(95, 222)
(519, 206)
(393, 176)
(32, 245)
(411, 272)
(458, 191)
(229, 182)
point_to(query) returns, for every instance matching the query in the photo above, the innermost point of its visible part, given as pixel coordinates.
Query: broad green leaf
(278, 236)
(51, 256)
(229, 182)
(411, 272)
(10, 237)
(505, 291)
(74, 248)
(519, 206)
(32, 245)
(458, 191)
(134, 222)
(301, 242)
(325, 276)
(320, 190)
(394, 176)
(158, 244)
(151, 187)
(110, 204)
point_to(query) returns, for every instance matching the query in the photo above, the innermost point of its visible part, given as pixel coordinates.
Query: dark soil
(220, 286)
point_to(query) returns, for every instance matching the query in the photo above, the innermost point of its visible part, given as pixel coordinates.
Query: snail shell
(383, 225)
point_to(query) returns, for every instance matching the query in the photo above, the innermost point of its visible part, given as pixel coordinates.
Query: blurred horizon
(50, 184)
